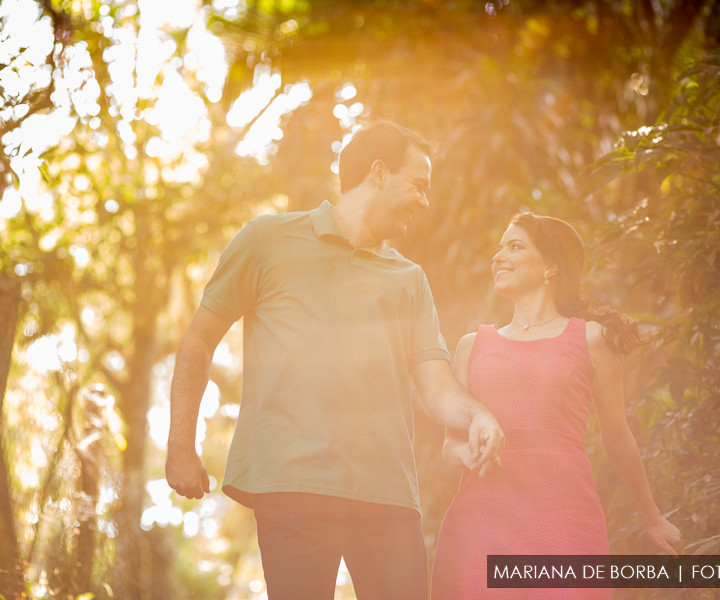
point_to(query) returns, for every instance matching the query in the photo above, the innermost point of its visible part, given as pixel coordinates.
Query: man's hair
(382, 140)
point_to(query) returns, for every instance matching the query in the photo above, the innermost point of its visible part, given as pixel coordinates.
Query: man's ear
(378, 173)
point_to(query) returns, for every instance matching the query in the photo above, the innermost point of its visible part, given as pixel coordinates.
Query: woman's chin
(504, 290)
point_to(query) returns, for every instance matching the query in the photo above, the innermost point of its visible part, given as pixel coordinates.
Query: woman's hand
(457, 453)
(663, 533)
(485, 436)
(471, 461)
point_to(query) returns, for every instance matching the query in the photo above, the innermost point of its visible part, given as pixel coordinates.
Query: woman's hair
(561, 245)
(382, 140)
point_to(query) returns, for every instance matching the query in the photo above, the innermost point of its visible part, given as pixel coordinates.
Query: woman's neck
(535, 311)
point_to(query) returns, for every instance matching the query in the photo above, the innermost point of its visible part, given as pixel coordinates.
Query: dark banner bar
(598, 571)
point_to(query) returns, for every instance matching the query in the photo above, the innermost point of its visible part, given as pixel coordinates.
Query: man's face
(403, 194)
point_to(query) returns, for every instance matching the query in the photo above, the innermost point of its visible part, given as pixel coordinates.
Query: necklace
(526, 327)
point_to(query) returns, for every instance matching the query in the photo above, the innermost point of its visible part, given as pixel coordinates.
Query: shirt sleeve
(233, 287)
(427, 341)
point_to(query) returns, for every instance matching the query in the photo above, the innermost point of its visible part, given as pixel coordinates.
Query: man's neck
(351, 218)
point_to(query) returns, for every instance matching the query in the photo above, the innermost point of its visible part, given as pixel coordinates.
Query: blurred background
(137, 137)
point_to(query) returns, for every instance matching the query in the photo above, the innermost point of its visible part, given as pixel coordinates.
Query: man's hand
(469, 461)
(457, 454)
(186, 473)
(485, 438)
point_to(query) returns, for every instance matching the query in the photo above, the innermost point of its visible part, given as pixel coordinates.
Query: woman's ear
(551, 269)
(378, 173)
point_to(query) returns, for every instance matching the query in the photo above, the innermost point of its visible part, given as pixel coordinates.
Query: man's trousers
(302, 538)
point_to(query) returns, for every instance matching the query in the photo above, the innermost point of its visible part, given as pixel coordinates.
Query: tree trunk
(89, 485)
(11, 571)
(132, 564)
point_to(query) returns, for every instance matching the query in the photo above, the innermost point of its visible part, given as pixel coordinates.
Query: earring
(547, 281)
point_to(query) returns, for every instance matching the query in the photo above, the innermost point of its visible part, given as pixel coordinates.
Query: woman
(540, 374)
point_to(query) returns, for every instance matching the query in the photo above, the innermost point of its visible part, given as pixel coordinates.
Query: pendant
(525, 327)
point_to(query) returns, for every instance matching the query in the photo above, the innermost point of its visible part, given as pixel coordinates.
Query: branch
(39, 100)
(52, 467)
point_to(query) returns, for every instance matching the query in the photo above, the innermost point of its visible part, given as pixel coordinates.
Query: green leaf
(607, 168)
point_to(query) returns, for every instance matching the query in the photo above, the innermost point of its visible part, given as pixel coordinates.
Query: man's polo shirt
(330, 333)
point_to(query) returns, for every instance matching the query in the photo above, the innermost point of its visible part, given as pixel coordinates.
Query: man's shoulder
(392, 254)
(273, 220)
(268, 229)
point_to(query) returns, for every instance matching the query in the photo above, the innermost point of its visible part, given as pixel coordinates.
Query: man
(335, 323)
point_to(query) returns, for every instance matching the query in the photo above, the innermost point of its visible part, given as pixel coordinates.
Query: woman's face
(518, 267)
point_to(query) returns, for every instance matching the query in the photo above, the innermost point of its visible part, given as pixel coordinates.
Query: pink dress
(543, 500)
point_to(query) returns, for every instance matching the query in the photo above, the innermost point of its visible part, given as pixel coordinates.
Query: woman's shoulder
(466, 342)
(464, 347)
(462, 357)
(596, 340)
(594, 332)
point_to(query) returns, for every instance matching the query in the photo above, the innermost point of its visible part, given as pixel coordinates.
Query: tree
(11, 574)
(115, 238)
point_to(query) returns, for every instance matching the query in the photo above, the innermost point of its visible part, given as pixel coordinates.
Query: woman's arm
(619, 441)
(456, 451)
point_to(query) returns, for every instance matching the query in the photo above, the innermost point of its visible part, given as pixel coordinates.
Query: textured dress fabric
(543, 499)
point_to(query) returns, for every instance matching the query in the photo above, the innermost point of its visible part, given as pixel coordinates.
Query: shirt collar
(324, 224)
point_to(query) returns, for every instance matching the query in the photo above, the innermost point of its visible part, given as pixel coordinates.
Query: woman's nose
(422, 199)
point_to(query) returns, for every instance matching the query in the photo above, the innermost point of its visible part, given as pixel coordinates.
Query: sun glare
(143, 63)
(262, 108)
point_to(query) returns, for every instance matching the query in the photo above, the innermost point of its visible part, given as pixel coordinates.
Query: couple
(336, 324)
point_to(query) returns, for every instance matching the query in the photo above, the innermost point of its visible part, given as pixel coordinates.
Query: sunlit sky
(144, 64)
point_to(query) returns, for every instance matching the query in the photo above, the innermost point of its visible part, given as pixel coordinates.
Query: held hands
(485, 441)
(473, 463)
(665, 535)
(186, 473)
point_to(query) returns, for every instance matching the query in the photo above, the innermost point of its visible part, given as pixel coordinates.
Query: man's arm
(184, 470)
(448, 402)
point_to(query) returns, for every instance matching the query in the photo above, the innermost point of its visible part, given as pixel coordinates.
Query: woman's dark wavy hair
(561, 245)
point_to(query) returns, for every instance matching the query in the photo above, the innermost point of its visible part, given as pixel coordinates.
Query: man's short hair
(382, 140)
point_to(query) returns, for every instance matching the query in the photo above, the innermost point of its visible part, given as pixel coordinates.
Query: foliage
(668, 245)
(113, 231)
